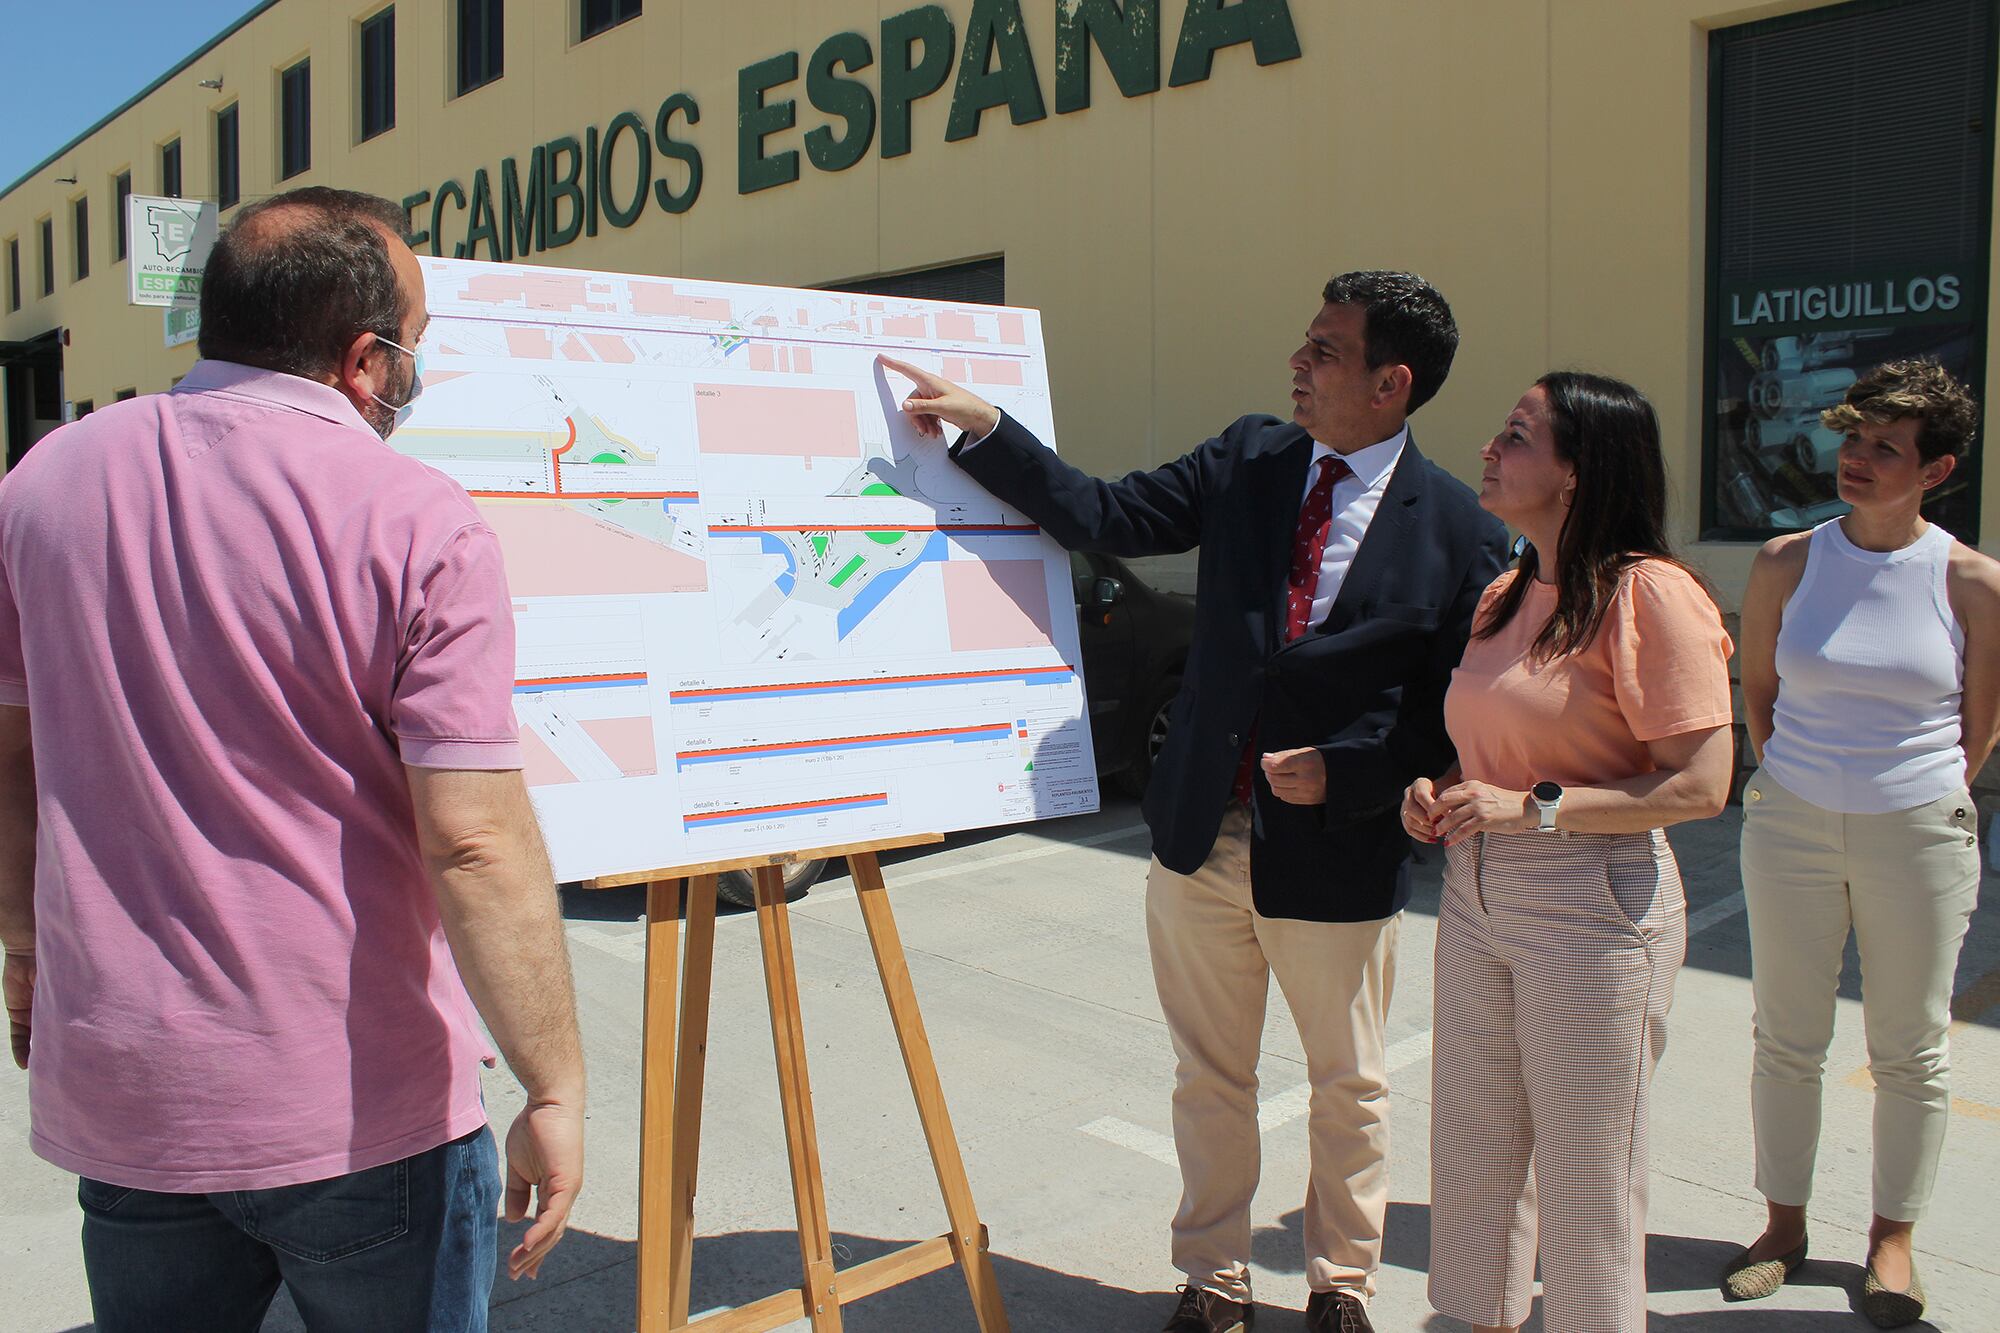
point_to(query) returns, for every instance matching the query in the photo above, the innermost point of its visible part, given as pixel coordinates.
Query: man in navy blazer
(1338, 575)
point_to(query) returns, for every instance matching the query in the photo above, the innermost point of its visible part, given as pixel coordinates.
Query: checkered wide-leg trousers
(1556, 958)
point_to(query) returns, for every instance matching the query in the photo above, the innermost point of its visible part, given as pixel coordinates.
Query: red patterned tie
(1301, 582)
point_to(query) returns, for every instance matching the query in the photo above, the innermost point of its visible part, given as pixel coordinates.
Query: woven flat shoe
(1892, 1309)
(1743, 1280)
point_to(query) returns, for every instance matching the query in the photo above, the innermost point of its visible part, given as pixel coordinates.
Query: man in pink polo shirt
(262, 824)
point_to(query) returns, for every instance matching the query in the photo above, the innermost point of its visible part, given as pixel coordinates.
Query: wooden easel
(671, 1087)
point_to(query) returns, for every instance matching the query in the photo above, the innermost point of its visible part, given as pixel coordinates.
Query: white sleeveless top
(1871, 665)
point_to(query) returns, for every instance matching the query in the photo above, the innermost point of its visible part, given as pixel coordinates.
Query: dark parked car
(1135, 643)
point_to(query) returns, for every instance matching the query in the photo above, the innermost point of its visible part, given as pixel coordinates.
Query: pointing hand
(937, 400)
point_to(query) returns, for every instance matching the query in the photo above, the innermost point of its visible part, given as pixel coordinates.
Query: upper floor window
(228, 179)
(295, 120)
(170, 169)
(121, 191)
(378, 73)
(81, 235)
(48, 256)
(13, 273)
(481, 51)
(599, 15)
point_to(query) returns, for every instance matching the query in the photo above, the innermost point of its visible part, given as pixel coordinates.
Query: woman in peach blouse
(1591, 711)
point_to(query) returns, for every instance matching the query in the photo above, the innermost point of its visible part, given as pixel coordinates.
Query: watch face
(1546, 792)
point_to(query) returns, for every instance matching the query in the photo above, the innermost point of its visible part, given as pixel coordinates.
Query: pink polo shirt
(234, 614)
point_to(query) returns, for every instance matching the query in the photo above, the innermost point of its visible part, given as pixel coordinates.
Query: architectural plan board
(756, 611)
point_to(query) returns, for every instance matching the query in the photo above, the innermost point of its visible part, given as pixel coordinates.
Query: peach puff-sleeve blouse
(1658, 666)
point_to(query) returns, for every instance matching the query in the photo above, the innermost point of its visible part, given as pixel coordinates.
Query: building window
(48, 256)
(981, 282)
(378, 74)
(480, 46)
(295, 120)
(121, 191)
(82, 237)
(599, 15)
(228, 178)
(123, 394)
(13, 273)
(84, 407)
(170, 169)
(1847, 227)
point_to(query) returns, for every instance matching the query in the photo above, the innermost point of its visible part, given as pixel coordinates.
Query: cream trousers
(1905, 883)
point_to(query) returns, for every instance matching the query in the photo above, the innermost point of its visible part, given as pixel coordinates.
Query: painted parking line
(1283, 1107)
(1715, 913)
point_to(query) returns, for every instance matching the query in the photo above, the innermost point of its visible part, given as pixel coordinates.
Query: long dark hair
(1608, 432)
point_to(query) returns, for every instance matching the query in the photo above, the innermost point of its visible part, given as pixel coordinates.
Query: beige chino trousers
(1906, 883)
(1213, 959)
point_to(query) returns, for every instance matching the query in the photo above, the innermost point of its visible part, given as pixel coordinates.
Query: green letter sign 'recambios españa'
(569, 184)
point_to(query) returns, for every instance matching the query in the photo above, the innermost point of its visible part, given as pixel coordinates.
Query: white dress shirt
(1356, 497)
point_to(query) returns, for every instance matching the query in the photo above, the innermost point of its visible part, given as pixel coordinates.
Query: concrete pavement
(1028, 954)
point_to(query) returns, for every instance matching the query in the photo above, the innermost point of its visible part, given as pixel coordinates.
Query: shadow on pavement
(594, 1288)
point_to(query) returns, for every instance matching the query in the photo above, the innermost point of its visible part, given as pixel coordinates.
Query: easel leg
(781, 985)
(968, 1235)
(691, 1070)
(656, 1106)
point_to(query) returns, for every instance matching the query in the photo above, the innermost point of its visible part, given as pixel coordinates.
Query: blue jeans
(406, 1246)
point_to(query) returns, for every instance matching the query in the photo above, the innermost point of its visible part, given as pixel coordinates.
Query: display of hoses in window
(1784, 353)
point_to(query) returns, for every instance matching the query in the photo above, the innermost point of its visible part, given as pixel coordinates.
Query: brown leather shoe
(1336, 1312)
(1203, 1311)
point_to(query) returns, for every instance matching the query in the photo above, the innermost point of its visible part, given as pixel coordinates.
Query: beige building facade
(1665, 190)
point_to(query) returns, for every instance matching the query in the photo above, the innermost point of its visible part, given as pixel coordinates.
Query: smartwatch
(1548, 798)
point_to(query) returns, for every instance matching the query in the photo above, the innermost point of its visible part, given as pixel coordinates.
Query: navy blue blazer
(1366, 688)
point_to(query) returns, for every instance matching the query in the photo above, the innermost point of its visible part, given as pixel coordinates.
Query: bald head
(295, 279)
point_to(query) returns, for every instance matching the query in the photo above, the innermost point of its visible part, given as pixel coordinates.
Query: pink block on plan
(539, 291)
(539, 765)
(627, 742)
(957, 369)
(802, 360)
(996, 372)
(553, 550)
(660, 298)
(1014, 330)
(525, 341)
(905, 326)
(784, 422)
(763, 357)
(575, 349)
(611, 348)
(957, 327)
(995, 605)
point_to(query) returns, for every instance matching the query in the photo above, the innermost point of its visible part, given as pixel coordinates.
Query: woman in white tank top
(1871, 685)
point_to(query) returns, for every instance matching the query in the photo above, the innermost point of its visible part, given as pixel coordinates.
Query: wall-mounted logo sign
(571, 186)
(170, 241)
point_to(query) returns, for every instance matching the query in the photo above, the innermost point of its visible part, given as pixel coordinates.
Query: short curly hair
(1917, 388)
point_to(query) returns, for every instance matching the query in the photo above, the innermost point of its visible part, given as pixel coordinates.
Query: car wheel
(1139, 771)
(739, 887)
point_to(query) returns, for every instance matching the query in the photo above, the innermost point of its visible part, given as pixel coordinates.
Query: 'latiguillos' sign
(570, 188)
